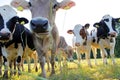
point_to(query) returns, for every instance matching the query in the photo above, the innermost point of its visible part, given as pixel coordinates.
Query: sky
(85, 11)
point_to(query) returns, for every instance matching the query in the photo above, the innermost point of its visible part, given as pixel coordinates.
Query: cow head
(43, 8)
(80, 34)
(106, 27)
(8, 21)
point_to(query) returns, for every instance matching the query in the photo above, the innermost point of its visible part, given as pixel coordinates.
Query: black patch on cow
(102, 30)
(4, 58)
(19, 59)
(1, 22)
(29, 39)
(11, 23)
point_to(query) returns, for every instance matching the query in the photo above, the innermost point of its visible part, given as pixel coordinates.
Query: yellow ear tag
(22, 23)
(97, 26)
(67, 7)
(20, 8)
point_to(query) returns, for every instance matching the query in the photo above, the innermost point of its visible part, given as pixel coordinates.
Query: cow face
(80, 33)
(8, 20)
(40, 26)
(106, 27)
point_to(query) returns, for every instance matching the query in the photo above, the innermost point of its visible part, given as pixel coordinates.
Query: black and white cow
(12, 36)
(104, 35)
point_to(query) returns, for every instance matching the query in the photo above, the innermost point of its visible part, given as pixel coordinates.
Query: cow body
(47, 10)
(104, 36)
(81, 41)
(14, 37)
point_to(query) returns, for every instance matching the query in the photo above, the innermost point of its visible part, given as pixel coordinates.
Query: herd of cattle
(43, 43)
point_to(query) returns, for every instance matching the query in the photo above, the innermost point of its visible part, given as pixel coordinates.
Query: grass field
(73, 71)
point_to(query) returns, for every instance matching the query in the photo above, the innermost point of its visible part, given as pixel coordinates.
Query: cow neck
(85, 43)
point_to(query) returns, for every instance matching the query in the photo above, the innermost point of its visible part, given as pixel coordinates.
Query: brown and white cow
(43, 25)
(104, 36)
(82, 41)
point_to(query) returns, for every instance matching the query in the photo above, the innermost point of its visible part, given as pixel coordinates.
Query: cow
(28, 57)
(12, 36)
(43, 27)
(105, 35)
(66, 48)
(82, 41)
(63, 52)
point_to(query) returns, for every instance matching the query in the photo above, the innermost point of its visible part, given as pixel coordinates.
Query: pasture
(73, 71)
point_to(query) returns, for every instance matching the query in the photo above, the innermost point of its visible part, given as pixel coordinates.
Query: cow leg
(112, 55)
(19, 58)
(1, 62)
(35, 58)
(42, 64)
(78, 56)
(14, 66)
(22, 63)
(11, 70)
(104, 56)
(6, 62)
(94, 50)
(53, 62)
(6, 65)
(48, 62)
(88, 58)
(29, 64)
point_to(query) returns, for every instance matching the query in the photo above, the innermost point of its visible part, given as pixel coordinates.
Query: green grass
(73, 71)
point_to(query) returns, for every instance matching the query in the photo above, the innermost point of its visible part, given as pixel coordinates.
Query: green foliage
(117, 46)
(74, 71)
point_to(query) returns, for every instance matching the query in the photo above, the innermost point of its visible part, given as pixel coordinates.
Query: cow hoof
(14, 72)
(0, 72)
(5, 76)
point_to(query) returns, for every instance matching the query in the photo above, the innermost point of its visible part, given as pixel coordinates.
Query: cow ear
(23, 21)
(96, 25)
(87, 26)
(20, 4)
(70, 31)
(66, 4)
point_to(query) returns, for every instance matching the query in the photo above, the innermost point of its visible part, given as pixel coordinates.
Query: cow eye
(107, 20)
(4, 9)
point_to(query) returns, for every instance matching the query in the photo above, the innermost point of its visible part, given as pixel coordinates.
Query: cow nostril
(45, 23)
(32, 23)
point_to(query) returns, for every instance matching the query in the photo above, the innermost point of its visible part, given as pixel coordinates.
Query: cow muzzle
(4, 36)
(39, 25)
(113, 34)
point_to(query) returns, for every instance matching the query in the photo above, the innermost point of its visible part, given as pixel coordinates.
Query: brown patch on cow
(83, 33)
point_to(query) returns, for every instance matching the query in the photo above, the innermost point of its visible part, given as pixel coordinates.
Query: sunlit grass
(74, 71)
